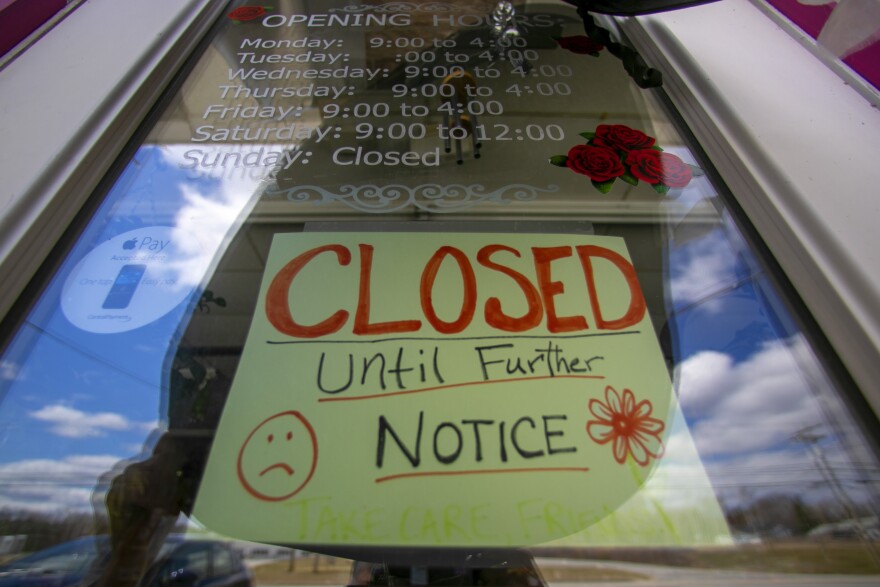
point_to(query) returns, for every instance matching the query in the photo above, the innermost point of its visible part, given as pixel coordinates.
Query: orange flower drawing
(628, 425)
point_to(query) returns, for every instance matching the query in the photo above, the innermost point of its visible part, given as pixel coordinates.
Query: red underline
(484, 472)
(453, 385)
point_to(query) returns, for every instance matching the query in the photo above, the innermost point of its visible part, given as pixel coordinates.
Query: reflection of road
(653, 576)
(660, 576)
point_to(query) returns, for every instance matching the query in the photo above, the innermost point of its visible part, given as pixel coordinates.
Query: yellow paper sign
(438, 390)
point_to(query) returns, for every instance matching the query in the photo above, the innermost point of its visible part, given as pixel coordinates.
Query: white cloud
(769, 470)
(743, 418)
(703, 378)
(74, 469)
(210, 210)
(47, 485)
(73, 423)
(679, 481)
(748, 406)
(701, 268)
(9, 370)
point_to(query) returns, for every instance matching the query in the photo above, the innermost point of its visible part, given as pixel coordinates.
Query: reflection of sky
(747, 380)
(75, 402)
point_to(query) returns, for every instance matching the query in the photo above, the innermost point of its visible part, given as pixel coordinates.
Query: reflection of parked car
(190, 563)
(848, 529)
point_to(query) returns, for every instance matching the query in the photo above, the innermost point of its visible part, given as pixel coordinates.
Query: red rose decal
(245, 13)
(658, 167)
(617, 151)
(621, 138)
(597, 163)
(580, 44)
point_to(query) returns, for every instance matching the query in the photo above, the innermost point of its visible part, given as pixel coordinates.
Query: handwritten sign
(438, 389)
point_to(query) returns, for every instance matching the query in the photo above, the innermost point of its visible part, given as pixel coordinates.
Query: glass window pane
(438, 293)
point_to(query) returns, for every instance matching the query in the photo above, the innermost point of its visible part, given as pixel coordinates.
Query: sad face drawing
(279, 456)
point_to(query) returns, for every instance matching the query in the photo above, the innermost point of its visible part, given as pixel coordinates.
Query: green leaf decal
(660, 188)
(558, 160)
(588, 135)
(630, 178)
(603, 187)
(656, 148)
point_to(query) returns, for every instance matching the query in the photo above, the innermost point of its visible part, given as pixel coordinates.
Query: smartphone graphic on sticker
(124, 286)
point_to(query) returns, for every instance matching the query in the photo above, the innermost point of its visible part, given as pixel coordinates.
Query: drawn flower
(621, 138)
(580, 44)
(657, 167)
(626, 424)
(597, 163)
(246, 13)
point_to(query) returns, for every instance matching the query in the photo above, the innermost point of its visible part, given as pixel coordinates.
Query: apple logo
(129, 244)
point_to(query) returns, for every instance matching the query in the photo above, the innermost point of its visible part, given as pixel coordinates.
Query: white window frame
(69, 104)
(797, 144)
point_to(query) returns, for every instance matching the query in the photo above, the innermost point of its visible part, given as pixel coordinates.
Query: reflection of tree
(776, 515)
(811, 439)
(792, 497)
(798, 499)
(44, 530)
